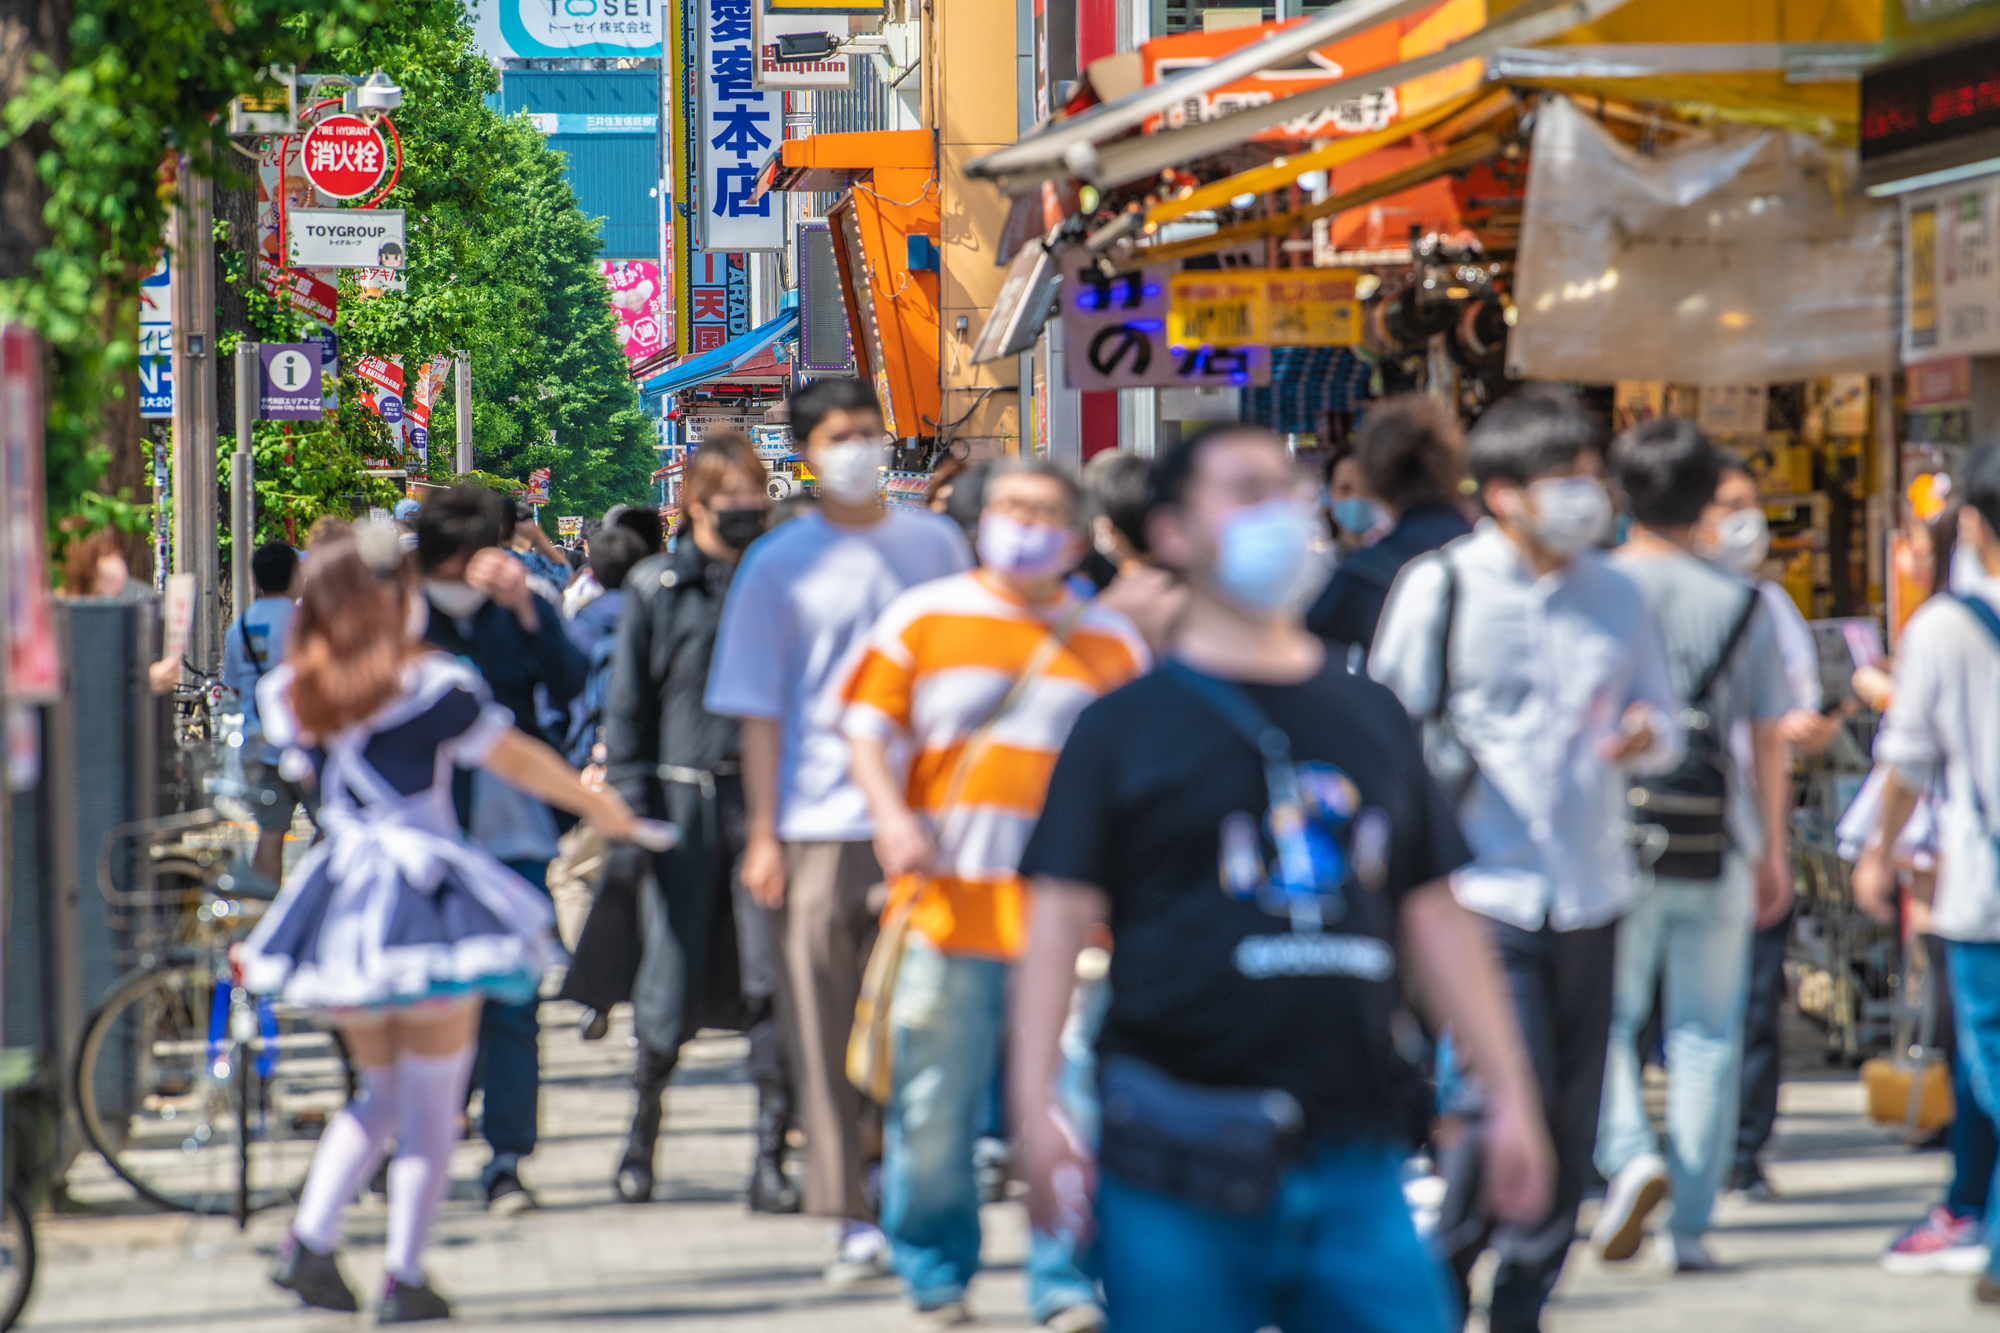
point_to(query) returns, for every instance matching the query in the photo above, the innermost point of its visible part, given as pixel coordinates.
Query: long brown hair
(349, 642)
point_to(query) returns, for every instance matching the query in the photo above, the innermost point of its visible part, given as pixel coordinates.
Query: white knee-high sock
(433, 1089)
(347, 1155)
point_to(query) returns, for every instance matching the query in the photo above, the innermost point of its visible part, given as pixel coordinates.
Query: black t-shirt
(1214, 989)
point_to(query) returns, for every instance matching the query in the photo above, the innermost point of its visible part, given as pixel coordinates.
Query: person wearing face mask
(799, 610)
(1260, 859)
(1357, 517)
(1539, 658)
(1410, 453)
(673, 932)
(1114, 487)
(481, 608)
(1734, 534)
(1008, 654)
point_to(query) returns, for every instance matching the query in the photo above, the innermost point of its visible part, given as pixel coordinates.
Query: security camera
(806, 45)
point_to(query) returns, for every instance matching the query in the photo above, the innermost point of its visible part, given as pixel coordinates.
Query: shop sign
(288, 382)
(1951, 303)
(1216, 308)
(539, 29)
(344, 156)
(1733, 409)
(346, 237)
(569, 526)
(1272, 307)
(156, 337)
(835, 71)
(738, 124)
(718, 299)
(1115, 335)
(382, 391)
(1938, 383)
(636, 295)
(1312, 307)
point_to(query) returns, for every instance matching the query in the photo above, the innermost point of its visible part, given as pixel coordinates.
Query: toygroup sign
(344, 156)
(346, 238)
(553, 28)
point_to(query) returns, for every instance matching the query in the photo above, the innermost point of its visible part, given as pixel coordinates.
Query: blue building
(607, 122)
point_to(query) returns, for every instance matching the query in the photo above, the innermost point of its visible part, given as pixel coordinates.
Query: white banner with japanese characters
(739, 128)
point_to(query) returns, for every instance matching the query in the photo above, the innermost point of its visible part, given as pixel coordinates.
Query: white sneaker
(1633, 1193)
(862, 1254)
(948, 1315)
(1685, 1254)
(1084, 1318)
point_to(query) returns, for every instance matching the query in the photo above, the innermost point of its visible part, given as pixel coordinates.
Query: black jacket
(514, 661)
(1351, 603)
(653, 711)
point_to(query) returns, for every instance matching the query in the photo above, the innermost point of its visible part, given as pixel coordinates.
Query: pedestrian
(94, 566)
(1114, 488)
(584, 587)
(675, 933)
(798, 612)
(393, 926)
(1735, 535)
(1534, 667)
(642, 521)
(1410, 455)
(1942, 733)
(1717, 843)
(253, 644)
(1258, 828)
(1356, 515)
(976, 680)
(481, 608)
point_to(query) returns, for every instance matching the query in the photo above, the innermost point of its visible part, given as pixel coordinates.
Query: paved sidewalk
(697, 1260)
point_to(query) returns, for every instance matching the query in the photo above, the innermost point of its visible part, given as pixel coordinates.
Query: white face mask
(851, 471)
(1008, 546)
(1264, 559)
(1571, 513)
(454, 597)
(1742, 540)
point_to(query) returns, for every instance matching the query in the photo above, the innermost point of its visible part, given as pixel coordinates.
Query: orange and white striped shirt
(937, 663)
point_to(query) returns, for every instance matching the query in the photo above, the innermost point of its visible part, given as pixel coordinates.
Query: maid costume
(394, 907)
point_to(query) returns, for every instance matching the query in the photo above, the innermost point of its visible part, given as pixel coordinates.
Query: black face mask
(738, 527)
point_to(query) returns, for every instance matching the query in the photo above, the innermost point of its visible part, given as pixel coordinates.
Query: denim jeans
(947, 1016)
(1335, 1252)
(1975, 1002)
(508, 1066)
(1696, 932)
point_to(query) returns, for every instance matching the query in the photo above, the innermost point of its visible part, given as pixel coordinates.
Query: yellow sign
(1216, 308)
(1923, 276)
(1312, 307)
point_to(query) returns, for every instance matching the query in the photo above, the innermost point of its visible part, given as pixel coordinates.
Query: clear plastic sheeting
(1736, 257)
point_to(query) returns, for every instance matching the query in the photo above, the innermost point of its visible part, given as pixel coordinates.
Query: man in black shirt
(1257, 1103)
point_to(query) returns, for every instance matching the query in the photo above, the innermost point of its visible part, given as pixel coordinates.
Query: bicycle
(201, 1097)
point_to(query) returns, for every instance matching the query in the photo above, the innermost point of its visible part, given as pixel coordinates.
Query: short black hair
(462, 519)
(1412, 451)
(642, 521)
(966, 499)
(1172, 470)
(1981, 474)
(613, 554)
(809, 406)
(1665, 471)
(1532, 432)
(272, 566)
(1114, 489)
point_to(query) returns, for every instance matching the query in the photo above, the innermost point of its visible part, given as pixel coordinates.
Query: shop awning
(826, 163)
(717, 362)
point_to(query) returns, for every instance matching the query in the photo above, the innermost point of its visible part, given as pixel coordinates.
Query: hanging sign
(739, 122)
(33, 672)
(344, 156)
(156, 336)
(1951, 271)
(1308, 307)
(346, 237)
(1115, 333)
(283, 186)
(288, 384)
(537, 29)
(1216, 308)
(382, 391)
(538, 487)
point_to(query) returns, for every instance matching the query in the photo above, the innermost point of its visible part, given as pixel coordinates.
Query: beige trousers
(824, 932)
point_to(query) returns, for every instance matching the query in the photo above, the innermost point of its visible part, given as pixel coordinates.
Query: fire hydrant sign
(288, 386)
(346, 237)
(344, 156)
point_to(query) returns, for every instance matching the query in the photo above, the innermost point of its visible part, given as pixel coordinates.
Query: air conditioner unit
(824, 345)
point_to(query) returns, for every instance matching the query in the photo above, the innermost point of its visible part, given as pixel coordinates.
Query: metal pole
(464, 367)
(191, 229)
(242, 467)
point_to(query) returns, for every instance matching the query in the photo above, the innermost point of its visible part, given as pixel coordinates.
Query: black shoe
(770, 1191)
(634, 1178)
(507, 1196)
(1986, 1291)
(634, 1181)
(314, 1277)
(411, 1302)
(593, 1025)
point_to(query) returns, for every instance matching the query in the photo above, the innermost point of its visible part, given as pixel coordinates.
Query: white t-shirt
(797, 618)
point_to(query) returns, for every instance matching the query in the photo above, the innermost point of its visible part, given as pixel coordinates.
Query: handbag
(1450, 763)
(871, 1061)
(1685, 812)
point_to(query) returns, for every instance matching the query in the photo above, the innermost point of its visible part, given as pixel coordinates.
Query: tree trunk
(237, 209)
(28, 28)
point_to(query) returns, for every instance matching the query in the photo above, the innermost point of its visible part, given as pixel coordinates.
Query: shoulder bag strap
(1230, 702)
(1444, 637)
(1990, 621)
(1031, 671)
(1714, 673)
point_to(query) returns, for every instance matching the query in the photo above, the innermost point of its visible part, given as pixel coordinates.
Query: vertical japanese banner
(708, 302)
(33, 674)
(382, 393)
(737, 126)
(538, 487)
(636, 302)
(430, 378)
(311, 291)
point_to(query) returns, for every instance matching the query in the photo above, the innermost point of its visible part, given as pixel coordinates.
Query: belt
(703, 778)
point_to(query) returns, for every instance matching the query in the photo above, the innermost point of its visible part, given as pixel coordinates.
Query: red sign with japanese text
(344, 156)
(635, 300)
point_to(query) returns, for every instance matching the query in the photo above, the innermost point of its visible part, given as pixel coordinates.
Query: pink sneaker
(1940, 1243)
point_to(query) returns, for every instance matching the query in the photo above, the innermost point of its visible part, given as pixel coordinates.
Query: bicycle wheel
(156, 1089)
(17, 1259)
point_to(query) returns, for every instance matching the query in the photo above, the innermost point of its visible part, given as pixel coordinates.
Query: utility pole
(191, 233)
(464, 370)
(242, 470)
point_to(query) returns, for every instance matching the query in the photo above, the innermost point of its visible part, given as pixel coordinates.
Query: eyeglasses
(1029, 511)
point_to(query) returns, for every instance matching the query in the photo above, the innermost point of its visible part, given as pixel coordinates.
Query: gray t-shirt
(1695, 605)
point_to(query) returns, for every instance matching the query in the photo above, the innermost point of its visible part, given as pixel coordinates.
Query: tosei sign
(346, 237)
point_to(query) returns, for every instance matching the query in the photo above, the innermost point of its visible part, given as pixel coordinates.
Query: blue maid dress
(393, 907)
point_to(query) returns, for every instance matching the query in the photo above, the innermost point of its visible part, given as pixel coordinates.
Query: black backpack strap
(1714, 673)
(1444, 637)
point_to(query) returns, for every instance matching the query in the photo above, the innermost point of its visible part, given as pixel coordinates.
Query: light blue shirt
(1543, 668)
(253, 645)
